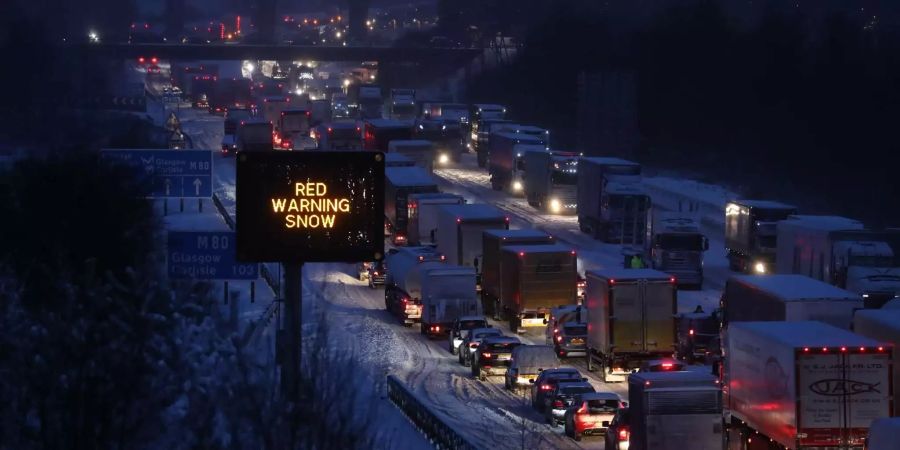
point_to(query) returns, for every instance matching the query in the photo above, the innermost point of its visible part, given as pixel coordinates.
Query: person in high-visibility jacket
(637, 262)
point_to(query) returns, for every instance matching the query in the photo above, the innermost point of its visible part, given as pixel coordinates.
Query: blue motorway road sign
(206, 255)
(172, 173)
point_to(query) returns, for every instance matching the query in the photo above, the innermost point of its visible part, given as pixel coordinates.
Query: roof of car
(571, 384)
(475, 331)
(502, 340)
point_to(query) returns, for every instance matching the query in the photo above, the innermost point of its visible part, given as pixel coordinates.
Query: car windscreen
(579, 330)
(485, 334)
(683, 242)
(602, 406)
(471, 324)
(501, 348)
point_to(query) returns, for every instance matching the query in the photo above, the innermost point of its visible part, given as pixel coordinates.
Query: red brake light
(485, 355)
(141, 60)
(154, 60)
(559, 339)
(331, 130)
(667, 366)
(558, 404)
(624, 434)
(612, 281)
(308, 113)
(691, 332)
(672, 279)
(521, 253)
(458, 220)
(805, 349)
(546, 387)
(357, 129)
(443, 257)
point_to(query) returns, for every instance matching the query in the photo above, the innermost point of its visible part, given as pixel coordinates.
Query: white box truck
(788, 298)
(399, 184)
(612, 205)
(447, 293)
(675, 411)
(459, 231)
(420, 151)
(403, 281)
(423, 216)
(631, 319)
(803, 385)
(883, 325)
(838, 251)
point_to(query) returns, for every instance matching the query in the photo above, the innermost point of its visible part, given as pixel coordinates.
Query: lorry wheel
(453, 350)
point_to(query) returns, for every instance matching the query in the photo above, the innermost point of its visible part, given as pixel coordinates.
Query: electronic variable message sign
(310, 206)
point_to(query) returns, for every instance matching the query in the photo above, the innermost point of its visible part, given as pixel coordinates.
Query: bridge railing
(442, 435)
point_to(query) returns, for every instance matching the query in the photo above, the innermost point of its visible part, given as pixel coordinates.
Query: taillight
(485, 355)
(473, 345)
(691, 332)
(559, 339)
(558, 404)
(376, 273)
(624, 434)
(546, 387)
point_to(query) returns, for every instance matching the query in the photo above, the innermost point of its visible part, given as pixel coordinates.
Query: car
(591, 414)
(547, 380)
(559, 316)
(527, 362)
(376, 274)
(662, 365)
(558, 400)
(571, 339)
(153, 68)
(492, 356)
(459, 330)
(472, 340)
(201, 103)
(217, 110)
(618, 434)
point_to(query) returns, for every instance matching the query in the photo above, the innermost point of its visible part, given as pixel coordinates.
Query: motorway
(489, 415)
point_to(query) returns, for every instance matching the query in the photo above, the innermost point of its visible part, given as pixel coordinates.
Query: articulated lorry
(380, 132)
(803, 385)
(787, 298)
(293, 129)
(403, 282)
(448, 293)
(841, 252)
(551, 181)
(420, 151)
(459, 231)
(506, 165)
(631, 319)
(370, 101)
(423, 215)
(399, 184)
(534, 279)
(750, 234)
(493, 242)
(481, 138)
(882, 325)
(403, 104)
(675, 411)
(612, 204)
(676, 247)
(254, 135)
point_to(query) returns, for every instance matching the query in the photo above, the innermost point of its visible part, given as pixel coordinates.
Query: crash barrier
(115, 102)
(441, 435)
(710, 213)
(265, 319)
(226, 216)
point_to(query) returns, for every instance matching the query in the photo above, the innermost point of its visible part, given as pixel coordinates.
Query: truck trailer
(883, 325)
(631, 319)
(459, 231)
(403, 282)
(423, 217)
(551, 180)
(254, 135)
(420, 151)
(838, 251)
(787, 298)
(481, 138)
(493, 243)
(675, 411)
(676, 247)
(370, 101)
(750, 234)
(506, 164)
(399, 184)
(403, 104)
(612, 205)
(803, 385)
(380, 132)
(534, 279)
(448, 293)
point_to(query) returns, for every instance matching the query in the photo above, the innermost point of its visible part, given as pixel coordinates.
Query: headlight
(517, 185)
(555, 205)
(759, 268)
(443, 159)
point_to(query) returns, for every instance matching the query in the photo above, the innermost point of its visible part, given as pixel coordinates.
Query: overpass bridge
(175, 52)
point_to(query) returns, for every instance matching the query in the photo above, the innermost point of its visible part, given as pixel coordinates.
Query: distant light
(93, 36)
(338, 35)
(346, 82)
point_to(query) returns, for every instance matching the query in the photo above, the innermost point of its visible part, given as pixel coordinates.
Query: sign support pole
(293, 293)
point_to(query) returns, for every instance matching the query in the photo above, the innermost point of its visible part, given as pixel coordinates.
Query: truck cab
(677, 246)
(294, 128)
(551, 180)
(380, 132)
(751, 233)
(403, 104)
(867, 267)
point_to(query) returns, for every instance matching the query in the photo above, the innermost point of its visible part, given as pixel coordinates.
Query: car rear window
(471, 324)
(501, 348)
(575, 390)
(602, 406)
(577, 330)
(485, 334)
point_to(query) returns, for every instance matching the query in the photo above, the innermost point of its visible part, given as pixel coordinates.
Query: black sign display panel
(309, 206)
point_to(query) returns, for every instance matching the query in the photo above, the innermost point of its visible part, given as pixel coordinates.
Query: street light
(93, 36)
(337, 35)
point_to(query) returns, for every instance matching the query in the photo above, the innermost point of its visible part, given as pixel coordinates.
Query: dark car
(472, 340)
(492, 356)
(571, 339)
(558, 400)
(618, 434)
(547, 381)
(461, 328)
(591, 414)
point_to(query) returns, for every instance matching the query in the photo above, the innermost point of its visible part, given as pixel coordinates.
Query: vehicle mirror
(705, 243)
(540, 370)
(584, 379)
(624, 404)
(531, 381)
(546, 321)
(605, 423)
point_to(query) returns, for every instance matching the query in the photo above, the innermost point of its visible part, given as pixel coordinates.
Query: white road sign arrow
(168, 186)
(197, 184)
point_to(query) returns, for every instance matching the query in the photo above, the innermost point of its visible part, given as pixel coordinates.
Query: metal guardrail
(254, 330)
(223, 212)
(442, 436)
